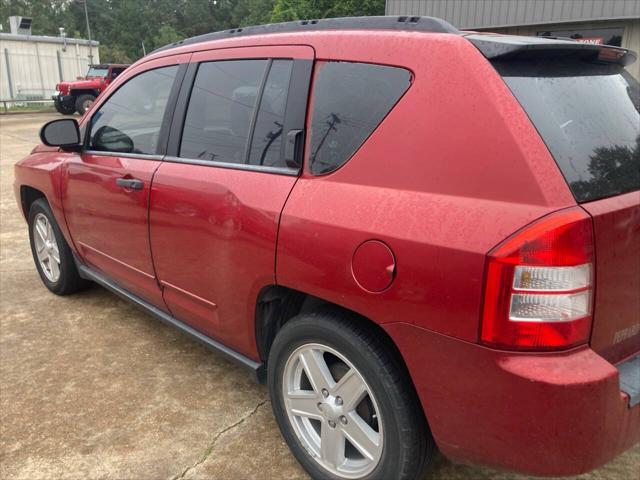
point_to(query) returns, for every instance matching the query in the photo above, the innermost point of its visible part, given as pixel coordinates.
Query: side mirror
(111, 140)
(63, 133)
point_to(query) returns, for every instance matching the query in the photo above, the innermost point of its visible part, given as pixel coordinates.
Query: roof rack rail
(401, 23)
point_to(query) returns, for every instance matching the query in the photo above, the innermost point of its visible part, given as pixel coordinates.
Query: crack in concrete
(207, 453)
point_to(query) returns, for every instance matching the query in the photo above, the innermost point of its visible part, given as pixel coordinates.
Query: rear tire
(384, 436)
(51, 253)
(84, 102)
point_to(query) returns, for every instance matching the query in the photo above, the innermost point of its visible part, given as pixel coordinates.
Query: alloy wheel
(332, 411)
(46, 247)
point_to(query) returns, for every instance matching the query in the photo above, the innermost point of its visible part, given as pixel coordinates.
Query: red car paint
(546, 414)
(617, 228)
(454, 169)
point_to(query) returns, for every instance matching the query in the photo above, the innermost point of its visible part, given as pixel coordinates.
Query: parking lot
(93, 388)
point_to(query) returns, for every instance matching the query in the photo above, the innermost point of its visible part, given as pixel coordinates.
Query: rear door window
(349, 101)
(589, 117)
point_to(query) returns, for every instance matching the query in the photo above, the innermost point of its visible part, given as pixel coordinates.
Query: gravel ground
(92, 388)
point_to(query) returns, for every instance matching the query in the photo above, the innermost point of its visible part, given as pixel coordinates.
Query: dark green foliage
(612, 169)
(123, 26)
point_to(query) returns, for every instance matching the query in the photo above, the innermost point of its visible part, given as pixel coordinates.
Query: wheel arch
(28, 195)
(35, 183)
(277, 304)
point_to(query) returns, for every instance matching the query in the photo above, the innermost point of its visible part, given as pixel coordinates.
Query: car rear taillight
(539, 285)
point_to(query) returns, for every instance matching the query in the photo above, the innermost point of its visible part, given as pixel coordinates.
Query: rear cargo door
(616, 331)
(588, 114)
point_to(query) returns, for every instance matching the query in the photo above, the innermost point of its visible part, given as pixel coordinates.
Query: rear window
(589, 117)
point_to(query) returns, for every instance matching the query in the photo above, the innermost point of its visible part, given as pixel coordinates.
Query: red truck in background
(77, 95)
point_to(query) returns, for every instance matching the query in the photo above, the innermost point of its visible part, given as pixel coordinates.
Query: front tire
(51, 253)
(344, 403)
(67, 108)
(84, 102)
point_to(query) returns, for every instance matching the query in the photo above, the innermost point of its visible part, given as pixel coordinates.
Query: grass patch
(27, 107)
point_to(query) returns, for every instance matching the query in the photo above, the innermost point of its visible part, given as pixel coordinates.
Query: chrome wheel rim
(46, 247)
(86, 104)
(332, 411)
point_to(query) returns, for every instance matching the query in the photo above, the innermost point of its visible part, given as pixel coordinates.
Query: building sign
(595, 36)
(591, 40)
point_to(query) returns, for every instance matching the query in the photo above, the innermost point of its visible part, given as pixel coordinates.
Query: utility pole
(86, 17)
(331, 127)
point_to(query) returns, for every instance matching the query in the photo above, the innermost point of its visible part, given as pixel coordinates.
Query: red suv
(78, 95)
(416, 236)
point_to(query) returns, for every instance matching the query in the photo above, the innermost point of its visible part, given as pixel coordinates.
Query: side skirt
(257, 369)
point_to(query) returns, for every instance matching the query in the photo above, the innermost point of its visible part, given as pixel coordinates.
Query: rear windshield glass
(589, 117)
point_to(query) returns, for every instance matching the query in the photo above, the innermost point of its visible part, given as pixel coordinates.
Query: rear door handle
(130, 183)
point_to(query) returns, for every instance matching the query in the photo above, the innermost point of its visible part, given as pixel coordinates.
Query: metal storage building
(32, 65)
(615, 22)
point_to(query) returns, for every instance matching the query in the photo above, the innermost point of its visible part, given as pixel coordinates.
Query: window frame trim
(234, 166)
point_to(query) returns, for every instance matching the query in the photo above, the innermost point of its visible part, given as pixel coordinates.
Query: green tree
(47, 15)
(612, 169)
(287, 10)
(166, 35)
(114, 54)
(252, 12)
(123, 26)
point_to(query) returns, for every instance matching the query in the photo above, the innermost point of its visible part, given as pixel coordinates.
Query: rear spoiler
(509, 47)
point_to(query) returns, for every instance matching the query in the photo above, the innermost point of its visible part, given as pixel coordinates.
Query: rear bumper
(543, 414)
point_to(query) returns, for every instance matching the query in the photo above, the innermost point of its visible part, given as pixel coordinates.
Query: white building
(32, 65)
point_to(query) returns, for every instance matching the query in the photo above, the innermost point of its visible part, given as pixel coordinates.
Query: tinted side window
(130, 120)
(220, 110)
(267, 136)
(349, 102)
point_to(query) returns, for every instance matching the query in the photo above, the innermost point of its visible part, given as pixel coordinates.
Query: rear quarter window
(349, 101)
(589, 117)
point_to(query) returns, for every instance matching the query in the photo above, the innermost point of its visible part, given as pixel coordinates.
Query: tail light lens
(539, 285)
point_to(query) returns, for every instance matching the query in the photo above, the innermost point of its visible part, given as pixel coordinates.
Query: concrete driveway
(93, 388)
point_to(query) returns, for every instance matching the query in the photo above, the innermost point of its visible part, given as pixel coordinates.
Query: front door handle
(130, 183)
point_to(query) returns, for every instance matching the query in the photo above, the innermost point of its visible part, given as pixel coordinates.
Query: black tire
(69, 280)
(83, 102)
(67, 108)
(408, 445)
